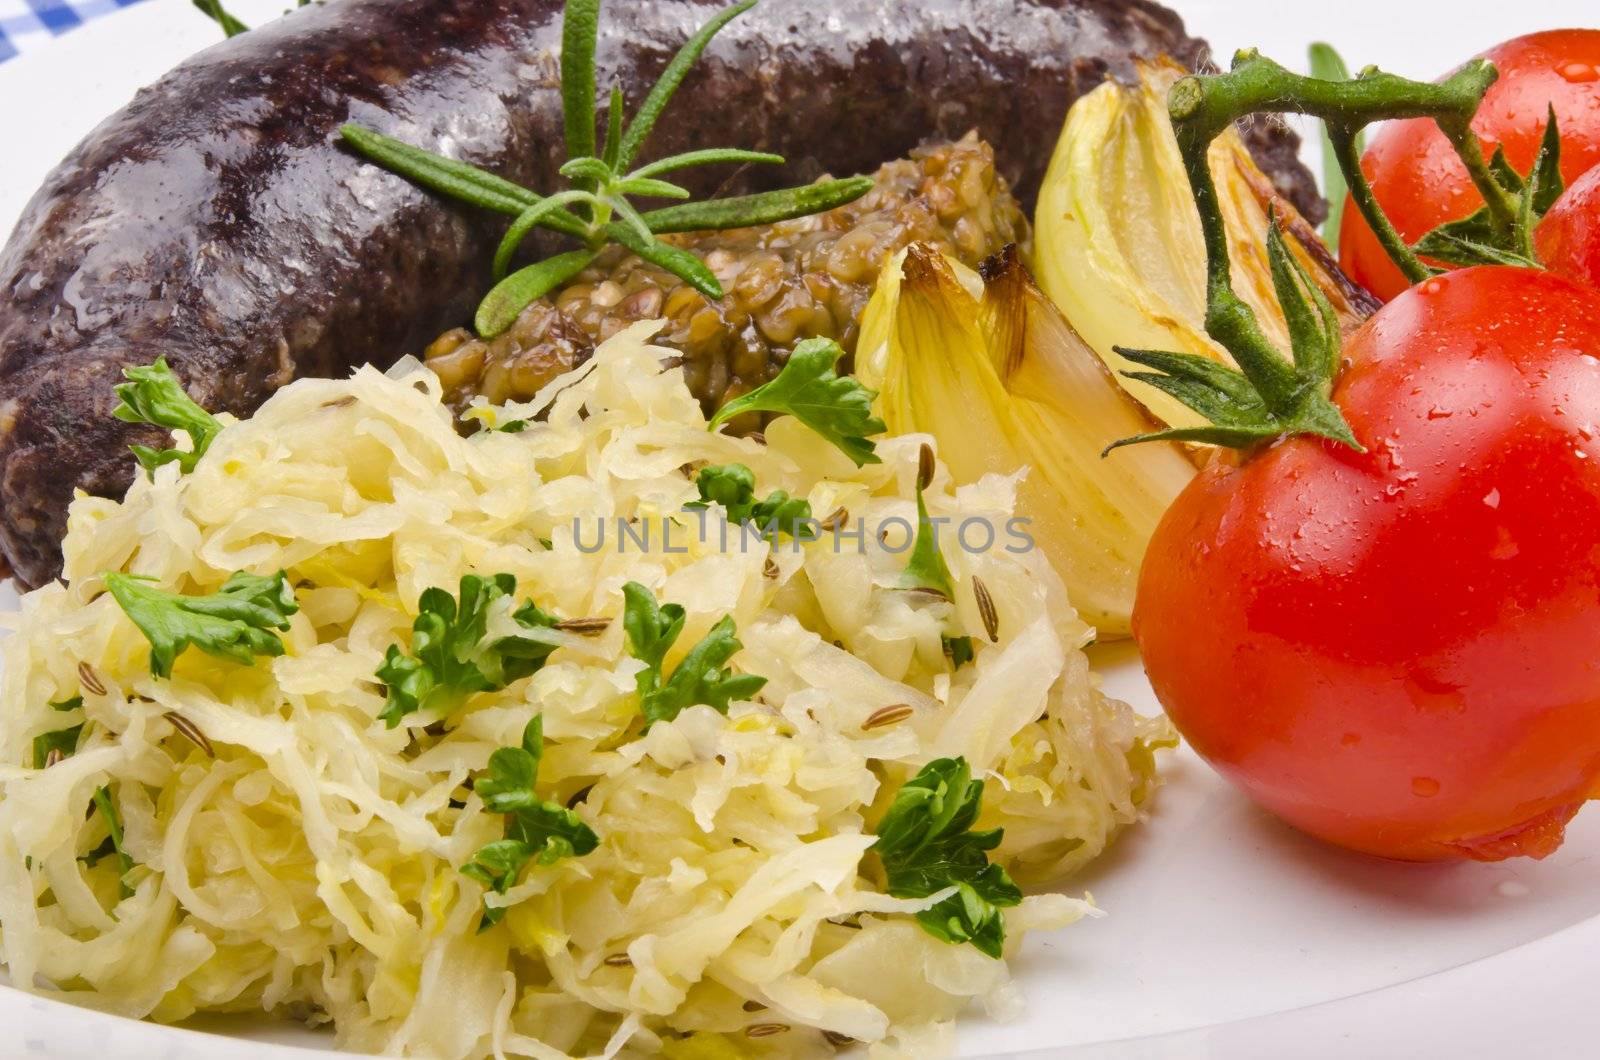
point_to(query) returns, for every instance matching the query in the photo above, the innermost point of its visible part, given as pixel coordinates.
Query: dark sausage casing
(215, 221)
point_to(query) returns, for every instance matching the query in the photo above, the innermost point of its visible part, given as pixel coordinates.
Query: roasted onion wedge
(989, 368)
(1118, 245)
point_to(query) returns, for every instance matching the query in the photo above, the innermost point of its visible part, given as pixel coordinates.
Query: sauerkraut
(286, 850)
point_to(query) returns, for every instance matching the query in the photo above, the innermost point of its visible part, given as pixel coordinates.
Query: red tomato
(1420, 182)
(1399, 650)
(1568, 239)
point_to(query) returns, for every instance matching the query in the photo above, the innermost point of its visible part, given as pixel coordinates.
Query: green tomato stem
(1502, 205)
(1204, 106)
(1348, 156)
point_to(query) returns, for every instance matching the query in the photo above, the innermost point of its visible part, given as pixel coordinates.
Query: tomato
(1420, 182)
(1568, 239)
(1399, 650)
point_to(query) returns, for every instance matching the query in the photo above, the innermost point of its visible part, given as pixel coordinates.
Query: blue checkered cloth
(26, 24)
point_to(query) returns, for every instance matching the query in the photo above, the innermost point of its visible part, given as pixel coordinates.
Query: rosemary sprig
(231, 27)
(213, 9)
(597, 208)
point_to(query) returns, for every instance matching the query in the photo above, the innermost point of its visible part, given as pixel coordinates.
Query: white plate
(1228, 934)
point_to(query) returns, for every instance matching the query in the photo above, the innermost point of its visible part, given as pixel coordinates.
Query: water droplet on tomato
(1492, 498)
(1437, 413)
(1579, 73)
(1433, 286)
(1424, 787)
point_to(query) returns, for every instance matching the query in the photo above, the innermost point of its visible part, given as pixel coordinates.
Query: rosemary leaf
(767, 207)
(213, 9)
(709, 157)
(501, 306)
(682, 264)
(580, 25)
(651, 188)
(630, 218)
(671, 78)
(459, 180)
(526, 221)
(613, 129)
(586, 168)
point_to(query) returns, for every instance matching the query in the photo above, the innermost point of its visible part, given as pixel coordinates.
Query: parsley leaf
(837, 407)
(512, 772)
(927, 568)
(66, 742)
(926, 844)
(449, 661)
(958, 650)
(232, 623)
(63, 740)
(701, 677)
(652, 630)
(153, 395)
(108, 810)
(497, 866)
(734, 487)
(536, 830)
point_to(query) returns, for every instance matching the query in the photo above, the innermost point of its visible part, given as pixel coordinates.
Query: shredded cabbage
(311, 867)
